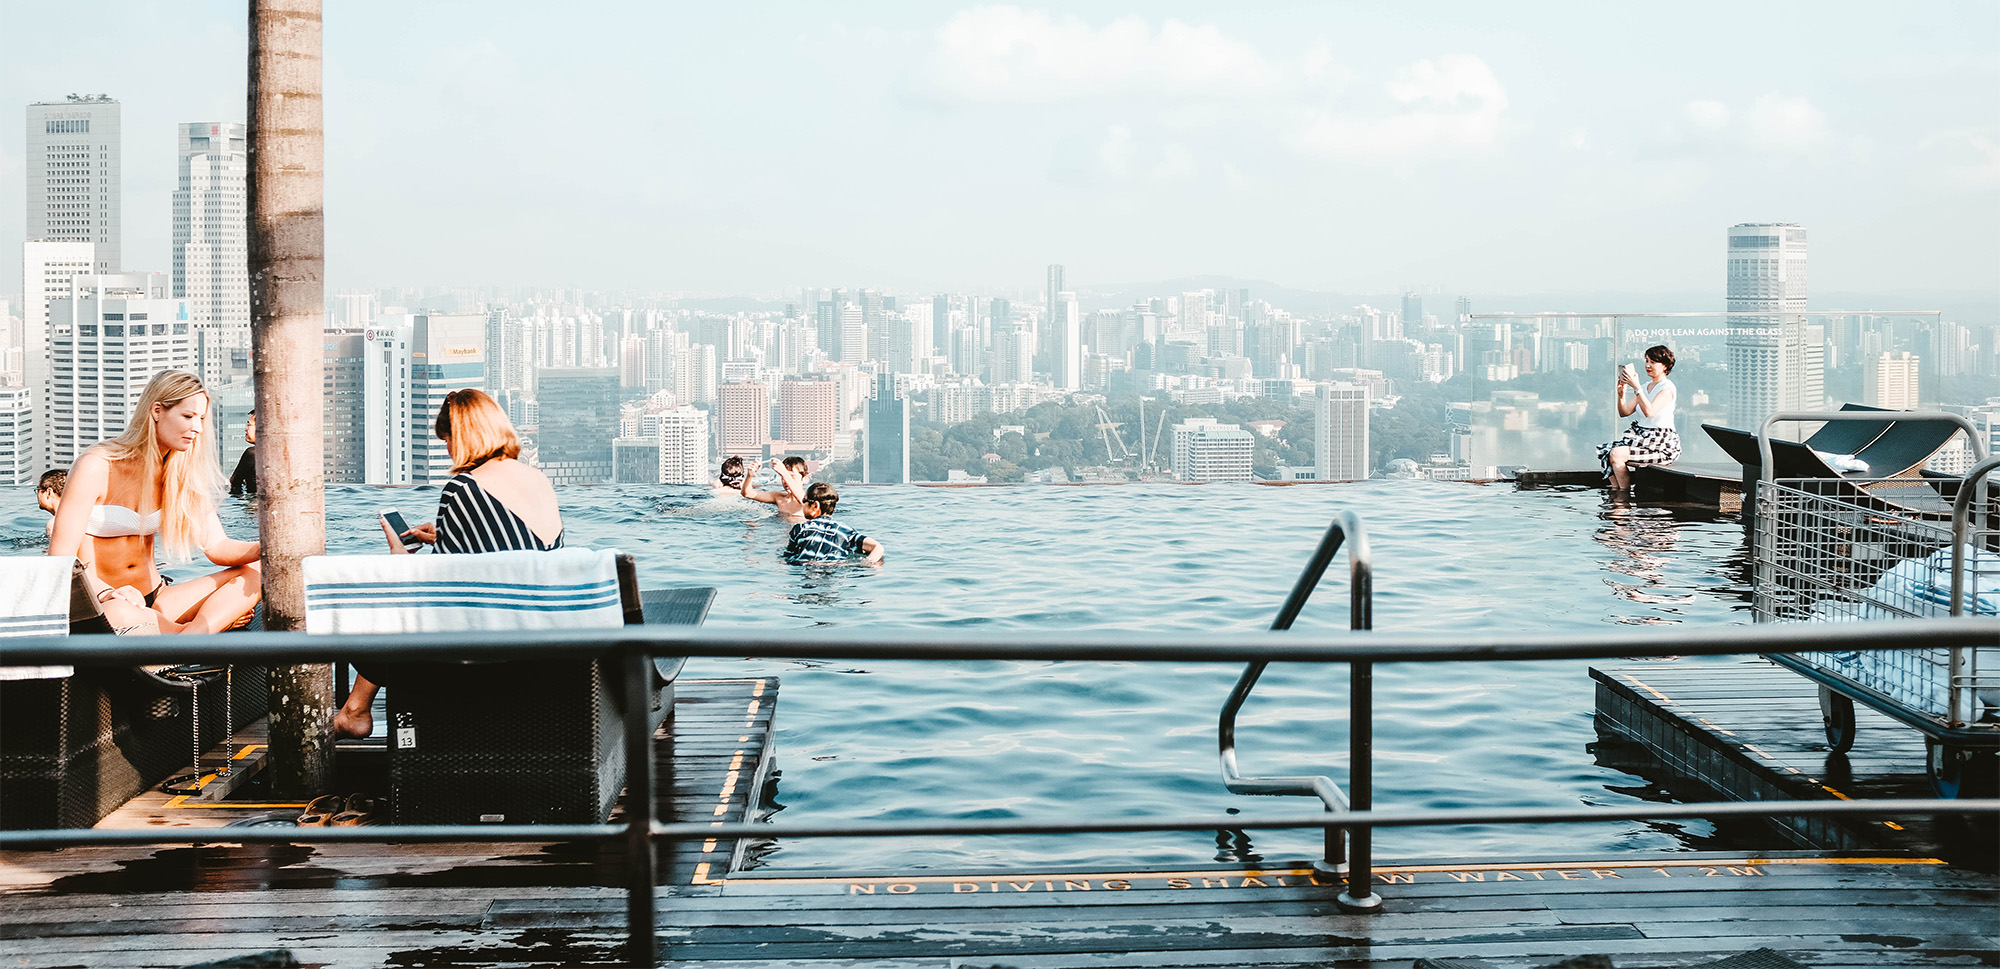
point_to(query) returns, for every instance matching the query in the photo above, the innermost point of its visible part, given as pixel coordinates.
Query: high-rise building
(1066, 354)
(579, 420)
(743, 418)
(1890, 380)
(809, 415)
(1207, 450)
(1413, 311)
(683, 445)
(853, 334)
(635, 460)
(107, 339)
(1013, 357)
(211, 267)
(447, 353)
(75, 179)
(941, 320)
(1770, 366)
(1045, 334)
(885, 457)
(1340, 428)
(632, 363)
(46, 271)
(367, 423)
(20, 463)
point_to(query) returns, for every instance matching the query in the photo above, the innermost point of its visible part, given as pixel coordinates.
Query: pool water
(909, 740)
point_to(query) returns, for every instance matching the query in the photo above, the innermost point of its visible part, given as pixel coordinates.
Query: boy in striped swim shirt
(821, 539)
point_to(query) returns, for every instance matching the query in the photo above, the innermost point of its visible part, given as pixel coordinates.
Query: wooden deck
(356, 905)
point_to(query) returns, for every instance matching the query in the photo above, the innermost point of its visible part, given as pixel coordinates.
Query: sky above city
(754, 148)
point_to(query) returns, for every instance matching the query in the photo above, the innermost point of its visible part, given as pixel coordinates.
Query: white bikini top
(118, 521)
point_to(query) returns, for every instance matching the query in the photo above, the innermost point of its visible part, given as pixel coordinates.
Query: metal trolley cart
(1856, 548)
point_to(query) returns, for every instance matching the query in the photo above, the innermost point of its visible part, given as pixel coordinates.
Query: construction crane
(1109, 429)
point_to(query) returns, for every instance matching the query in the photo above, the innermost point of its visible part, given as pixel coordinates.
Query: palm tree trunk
(287, 309)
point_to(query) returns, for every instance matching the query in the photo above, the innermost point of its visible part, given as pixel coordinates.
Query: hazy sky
(1498, 148)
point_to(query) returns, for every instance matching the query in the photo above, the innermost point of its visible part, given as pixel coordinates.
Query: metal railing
(636, 645)
(1347, 852)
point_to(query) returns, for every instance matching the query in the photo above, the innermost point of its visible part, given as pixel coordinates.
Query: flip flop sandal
(361, 810)
(321, 810)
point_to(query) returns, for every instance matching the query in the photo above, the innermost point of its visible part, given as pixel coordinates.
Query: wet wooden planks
(1642, 911)
(1751, 730)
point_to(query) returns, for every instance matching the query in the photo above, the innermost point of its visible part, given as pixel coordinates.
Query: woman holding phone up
(493, 503)
(1651, 439)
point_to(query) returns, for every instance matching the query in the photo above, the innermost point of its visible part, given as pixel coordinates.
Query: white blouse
(1660, 396)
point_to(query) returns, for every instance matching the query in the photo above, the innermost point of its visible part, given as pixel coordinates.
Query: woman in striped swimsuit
(493, 503)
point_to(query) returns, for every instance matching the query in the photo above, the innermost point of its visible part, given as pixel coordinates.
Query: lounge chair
(77, 743)
(506, 742)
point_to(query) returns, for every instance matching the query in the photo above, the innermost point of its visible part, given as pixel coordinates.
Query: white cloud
(1452, 104)
(1116, 151)
(1007, 54)
(1776, 123)
(1710, 115)
(1968, 158)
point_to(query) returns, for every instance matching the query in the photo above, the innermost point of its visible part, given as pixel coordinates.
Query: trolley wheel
(1837, 711)
(1960, 772)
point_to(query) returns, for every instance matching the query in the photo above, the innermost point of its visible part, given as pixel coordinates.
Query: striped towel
(567, 588)
(34, 601)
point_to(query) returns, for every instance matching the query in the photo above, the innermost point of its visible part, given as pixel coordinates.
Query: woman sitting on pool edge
(493, 503)
(154, 488)
(1652, 438)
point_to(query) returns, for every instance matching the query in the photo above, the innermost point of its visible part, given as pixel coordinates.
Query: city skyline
(1347, 151)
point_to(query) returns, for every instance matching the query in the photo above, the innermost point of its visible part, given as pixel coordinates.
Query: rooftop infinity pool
(909, 740)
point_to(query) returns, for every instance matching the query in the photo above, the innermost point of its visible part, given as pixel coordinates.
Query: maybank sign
(461, 351)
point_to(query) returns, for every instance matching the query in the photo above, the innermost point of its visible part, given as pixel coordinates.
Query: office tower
(46, 271)
(211, 264)
(1066, 334)
(107, 337)
(941, 320)
(352, 310)
(696, 375)
(635, 460)
(20, 462)
(1206, 450)
(809, 414)
(1951, 349)
(1340, 429)
(1413, 312)
(827, 323)
(1045, 334)
(876, 339)
(966, 353)
(853, 334)
(579, 420)
(663, 347)
(1014, 355)
(1890, 380)
(367, 423)
(506, 368)
(743, 419)
(632, 363)
(75, 182)
(885, 459)
(1465, 309)
(683, 444)
(1195, 310)
(446, 354)
(1769, 368)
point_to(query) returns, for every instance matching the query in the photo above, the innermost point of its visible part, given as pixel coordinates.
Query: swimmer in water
(731, 477)
(791, 500)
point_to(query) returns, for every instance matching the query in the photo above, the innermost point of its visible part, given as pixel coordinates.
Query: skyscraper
(1206, 450)
(808, 414)
(446, 354)
(853, 334)
(683, 441)
(1890, 380)
(1340, 428)
(743, 418)
(75, 182)
(1044, 335)
(885, 459)
(1413, 311)
(1770, 368)
(579, 420)
(1066, 334)
(367, 424)
(46, 271)
(211, 267)
(107, 338)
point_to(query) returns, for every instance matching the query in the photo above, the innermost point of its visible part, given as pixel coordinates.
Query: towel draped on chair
(34, 601)
(485, 592)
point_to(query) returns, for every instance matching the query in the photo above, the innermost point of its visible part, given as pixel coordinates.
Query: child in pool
(791, 500)
(820, 539)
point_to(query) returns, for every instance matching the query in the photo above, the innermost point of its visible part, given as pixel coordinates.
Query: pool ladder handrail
(1345, 853)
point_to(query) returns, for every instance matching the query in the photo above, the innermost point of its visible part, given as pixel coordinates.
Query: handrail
(638, 644)
(1346, 852)
(1959, 695)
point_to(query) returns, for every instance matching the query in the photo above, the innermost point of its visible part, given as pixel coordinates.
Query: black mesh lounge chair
(536, 742)
(75, 747)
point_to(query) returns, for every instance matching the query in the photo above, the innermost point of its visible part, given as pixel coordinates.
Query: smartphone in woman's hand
(401, 529)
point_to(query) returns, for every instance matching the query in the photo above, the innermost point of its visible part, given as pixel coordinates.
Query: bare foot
(350, 722)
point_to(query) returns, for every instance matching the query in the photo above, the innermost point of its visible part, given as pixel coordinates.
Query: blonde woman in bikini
(153, 488)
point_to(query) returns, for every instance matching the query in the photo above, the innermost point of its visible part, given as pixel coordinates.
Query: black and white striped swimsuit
(470, 520)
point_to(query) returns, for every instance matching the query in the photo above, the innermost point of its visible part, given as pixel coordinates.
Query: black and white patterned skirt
(1650, 445)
